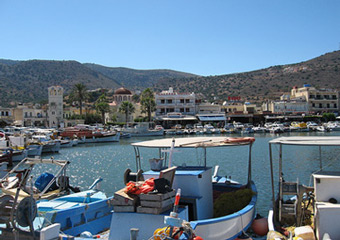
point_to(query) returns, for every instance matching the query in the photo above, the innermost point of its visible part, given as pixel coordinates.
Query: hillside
(321, 72)
(137, 79)
(27, 81)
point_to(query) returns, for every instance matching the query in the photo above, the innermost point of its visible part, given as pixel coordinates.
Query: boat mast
(272, 174)
(249, 164)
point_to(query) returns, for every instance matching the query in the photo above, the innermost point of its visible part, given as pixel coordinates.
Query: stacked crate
(123, 202)
(152, 203)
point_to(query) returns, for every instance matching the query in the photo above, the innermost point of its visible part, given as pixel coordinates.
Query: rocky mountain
(268, 83)
(138, 79)
(27, 81)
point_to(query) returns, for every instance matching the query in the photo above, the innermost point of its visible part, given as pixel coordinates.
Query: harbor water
(110, 160)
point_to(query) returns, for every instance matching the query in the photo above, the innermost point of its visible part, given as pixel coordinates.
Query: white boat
(322, 129)
(197, 184)
(293, 198)
(143, 130)
(34, 150)
(18, 155)
(100, 137)
(66, 143)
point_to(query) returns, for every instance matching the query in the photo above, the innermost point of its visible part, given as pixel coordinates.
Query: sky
(204, 37)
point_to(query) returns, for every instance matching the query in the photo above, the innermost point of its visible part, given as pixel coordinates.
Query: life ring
(239, 140)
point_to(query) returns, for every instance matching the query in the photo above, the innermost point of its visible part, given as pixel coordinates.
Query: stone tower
(55, 106)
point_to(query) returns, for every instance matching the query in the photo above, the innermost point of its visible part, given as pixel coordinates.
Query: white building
(319, 100)
(173, 102)
(55, 106)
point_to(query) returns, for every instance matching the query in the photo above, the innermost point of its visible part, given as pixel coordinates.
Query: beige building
(170, 101)
(29, 115)
(319, 100)
(119, 96)
(55, 106)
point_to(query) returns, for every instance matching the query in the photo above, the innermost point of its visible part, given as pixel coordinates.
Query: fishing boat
(88, 210)
(43, 185)
(72, 214)
(203, 194)
(143, 130)
(294, 203)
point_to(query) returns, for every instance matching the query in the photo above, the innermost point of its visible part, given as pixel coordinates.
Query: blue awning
(211, 118)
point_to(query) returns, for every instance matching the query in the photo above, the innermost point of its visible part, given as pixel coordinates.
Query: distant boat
(143, 130)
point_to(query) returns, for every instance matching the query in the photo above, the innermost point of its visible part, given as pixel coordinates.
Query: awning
(211, 118)
(186, 118)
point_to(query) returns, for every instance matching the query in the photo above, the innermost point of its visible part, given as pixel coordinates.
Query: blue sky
(209, 37)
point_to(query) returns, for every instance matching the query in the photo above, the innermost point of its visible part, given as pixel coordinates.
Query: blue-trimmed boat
(88, 210)
(203, 193)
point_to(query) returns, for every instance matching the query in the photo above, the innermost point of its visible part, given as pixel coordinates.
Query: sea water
(110, 160)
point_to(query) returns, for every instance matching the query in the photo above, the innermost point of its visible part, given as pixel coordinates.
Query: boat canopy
(307, 141)
(195, 142)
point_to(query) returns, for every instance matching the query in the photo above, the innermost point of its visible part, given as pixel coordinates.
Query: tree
(79, 94)
(148, 102)
(127, 108)
(102, 106)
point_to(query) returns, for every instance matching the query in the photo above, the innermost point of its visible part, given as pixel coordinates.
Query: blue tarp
(43, 180)
(211, 118)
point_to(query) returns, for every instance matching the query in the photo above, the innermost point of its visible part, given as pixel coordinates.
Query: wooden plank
(157, 197)
(124, 208)
(158, 204)
(122, 198)
(149, 210)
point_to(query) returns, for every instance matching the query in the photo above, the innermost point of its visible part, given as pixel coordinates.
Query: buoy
(198, 238)
(260, 226)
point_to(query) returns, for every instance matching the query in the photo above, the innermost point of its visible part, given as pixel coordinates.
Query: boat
(143, 130)
(76, 213)
(6, 156)
(198, 185)
(293, 203)
(100, 137)
(72, 215)
(34, 149)
(48, 145)
(46, 185)
(87, 135)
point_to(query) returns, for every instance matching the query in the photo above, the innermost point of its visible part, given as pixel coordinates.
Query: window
(311, 96)
(162, 101)
(181, 109)
(182, 100)
(334, 96)
(53, 113)
(187, 109)
(169, 100)
(326, 96)
(320, 105)
(187, 100)
(328, 105)
(313, 104)
(335, 106)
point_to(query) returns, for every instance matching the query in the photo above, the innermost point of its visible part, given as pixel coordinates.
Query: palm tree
(127, 108)
(79, 94)
(148, 102)
(102, 106)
